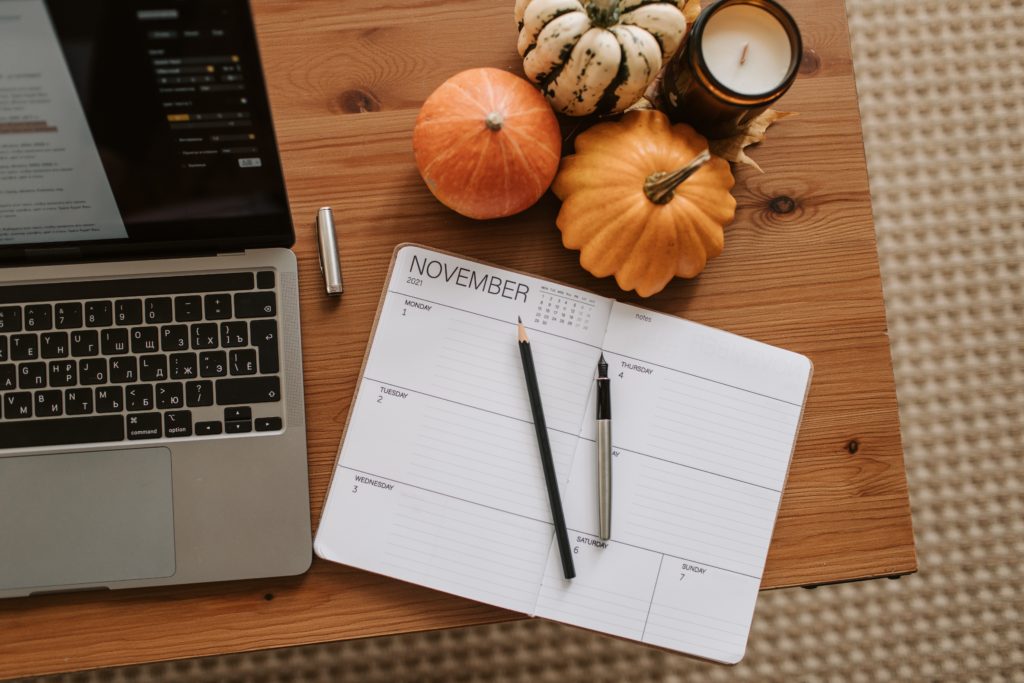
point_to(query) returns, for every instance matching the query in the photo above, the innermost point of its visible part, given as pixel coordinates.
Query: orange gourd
(487, 143)
(643, 200)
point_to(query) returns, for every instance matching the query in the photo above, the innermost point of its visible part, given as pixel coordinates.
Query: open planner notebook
(439, 482)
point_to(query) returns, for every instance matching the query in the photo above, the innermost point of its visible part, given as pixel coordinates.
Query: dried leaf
(690, 10)
(732, 149)
(643, 103)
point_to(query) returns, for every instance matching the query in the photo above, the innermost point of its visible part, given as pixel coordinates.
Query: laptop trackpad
(86, 518)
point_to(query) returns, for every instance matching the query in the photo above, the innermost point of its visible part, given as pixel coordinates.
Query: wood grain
(799, 270)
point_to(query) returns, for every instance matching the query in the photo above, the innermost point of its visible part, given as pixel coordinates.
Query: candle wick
(743, 55)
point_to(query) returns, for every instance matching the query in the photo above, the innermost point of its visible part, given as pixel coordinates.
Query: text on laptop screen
(127, 122)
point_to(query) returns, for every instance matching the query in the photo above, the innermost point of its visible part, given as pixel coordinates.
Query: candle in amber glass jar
(739, 57)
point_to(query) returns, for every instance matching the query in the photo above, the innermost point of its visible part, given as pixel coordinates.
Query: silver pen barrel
(604, 478)
(327, 248)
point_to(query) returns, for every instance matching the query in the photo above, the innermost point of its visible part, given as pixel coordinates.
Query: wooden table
(799, 270)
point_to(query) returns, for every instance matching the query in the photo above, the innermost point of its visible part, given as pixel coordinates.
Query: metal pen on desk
(327, 248)
(604, 450)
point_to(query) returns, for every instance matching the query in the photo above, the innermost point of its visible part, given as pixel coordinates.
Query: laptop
(152, 428)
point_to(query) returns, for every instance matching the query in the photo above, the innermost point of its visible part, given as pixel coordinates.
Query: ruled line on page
(701, 402)
(465, 405)
(471, 553)
(484, 457)
(612, 587)
(543, 521)
(536, 330)
(496, 377)
(706, 379)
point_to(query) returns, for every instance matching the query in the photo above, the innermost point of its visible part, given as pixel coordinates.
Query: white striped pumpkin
(597, 56)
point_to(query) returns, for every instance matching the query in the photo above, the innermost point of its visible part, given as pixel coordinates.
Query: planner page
(703, 427)
(439, 480)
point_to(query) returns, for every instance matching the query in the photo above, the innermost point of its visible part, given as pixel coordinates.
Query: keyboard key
(128, 311)
(204, 336)
(145, 339)
(213, 363)
(188, 309)
(78, 401)
(178, 423)
(243, 362)
(255, 305)
(264, 338)
(85, 343)
(32, 375)
(68, 315)
(38, 317)
(4, 352)
(99, 314)
(208, 428)
(109, 399)
(10, 318)
(139, 397)
(144, 426)
(217, 306)
(183, 366)
(92, 371)
(234, 334)
(170, 395)
(268, 424)
(174, 337)
(265, 279)
(153, 368)
(62, 431)
(199, 394)
(240, 390)
(238, 427)
(114, 341)
(237, 413)
(8, 376)
(17, 405)
(128, 287)
(54, 344)
(49, 403)
(63, 373)
(24, 347)
(158, 310)
(124, 370)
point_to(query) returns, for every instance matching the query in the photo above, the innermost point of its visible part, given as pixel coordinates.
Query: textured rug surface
(941, 87)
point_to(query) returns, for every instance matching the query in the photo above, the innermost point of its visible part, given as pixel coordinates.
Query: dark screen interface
(175, 101)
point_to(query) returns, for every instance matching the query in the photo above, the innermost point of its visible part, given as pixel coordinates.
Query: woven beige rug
(942, 95)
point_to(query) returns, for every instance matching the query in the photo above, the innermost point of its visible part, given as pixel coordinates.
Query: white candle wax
(746, 49)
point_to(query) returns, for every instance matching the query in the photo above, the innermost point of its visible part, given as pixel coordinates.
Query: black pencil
(546, 460)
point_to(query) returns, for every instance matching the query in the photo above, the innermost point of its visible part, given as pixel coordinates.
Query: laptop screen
(132, 125)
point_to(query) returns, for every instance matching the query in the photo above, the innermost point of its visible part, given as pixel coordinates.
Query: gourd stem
(659, 186)
(494, 120)
(603, 13)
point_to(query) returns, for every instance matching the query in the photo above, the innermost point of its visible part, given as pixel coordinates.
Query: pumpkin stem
(494, 120)
(603, 13)
(659, 186)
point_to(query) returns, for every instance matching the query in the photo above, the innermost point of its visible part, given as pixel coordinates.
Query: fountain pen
(604, 451)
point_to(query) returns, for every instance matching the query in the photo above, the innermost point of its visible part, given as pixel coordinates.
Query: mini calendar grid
(563, 308)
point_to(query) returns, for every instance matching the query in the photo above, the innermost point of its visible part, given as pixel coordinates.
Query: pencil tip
(520, 318)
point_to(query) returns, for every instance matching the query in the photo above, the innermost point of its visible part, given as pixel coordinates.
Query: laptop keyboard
(139, 358)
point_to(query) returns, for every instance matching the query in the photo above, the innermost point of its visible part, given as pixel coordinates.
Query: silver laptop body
(198, 471)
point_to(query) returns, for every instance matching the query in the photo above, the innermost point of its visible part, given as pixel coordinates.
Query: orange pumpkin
(643, 200)
(487, 143)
